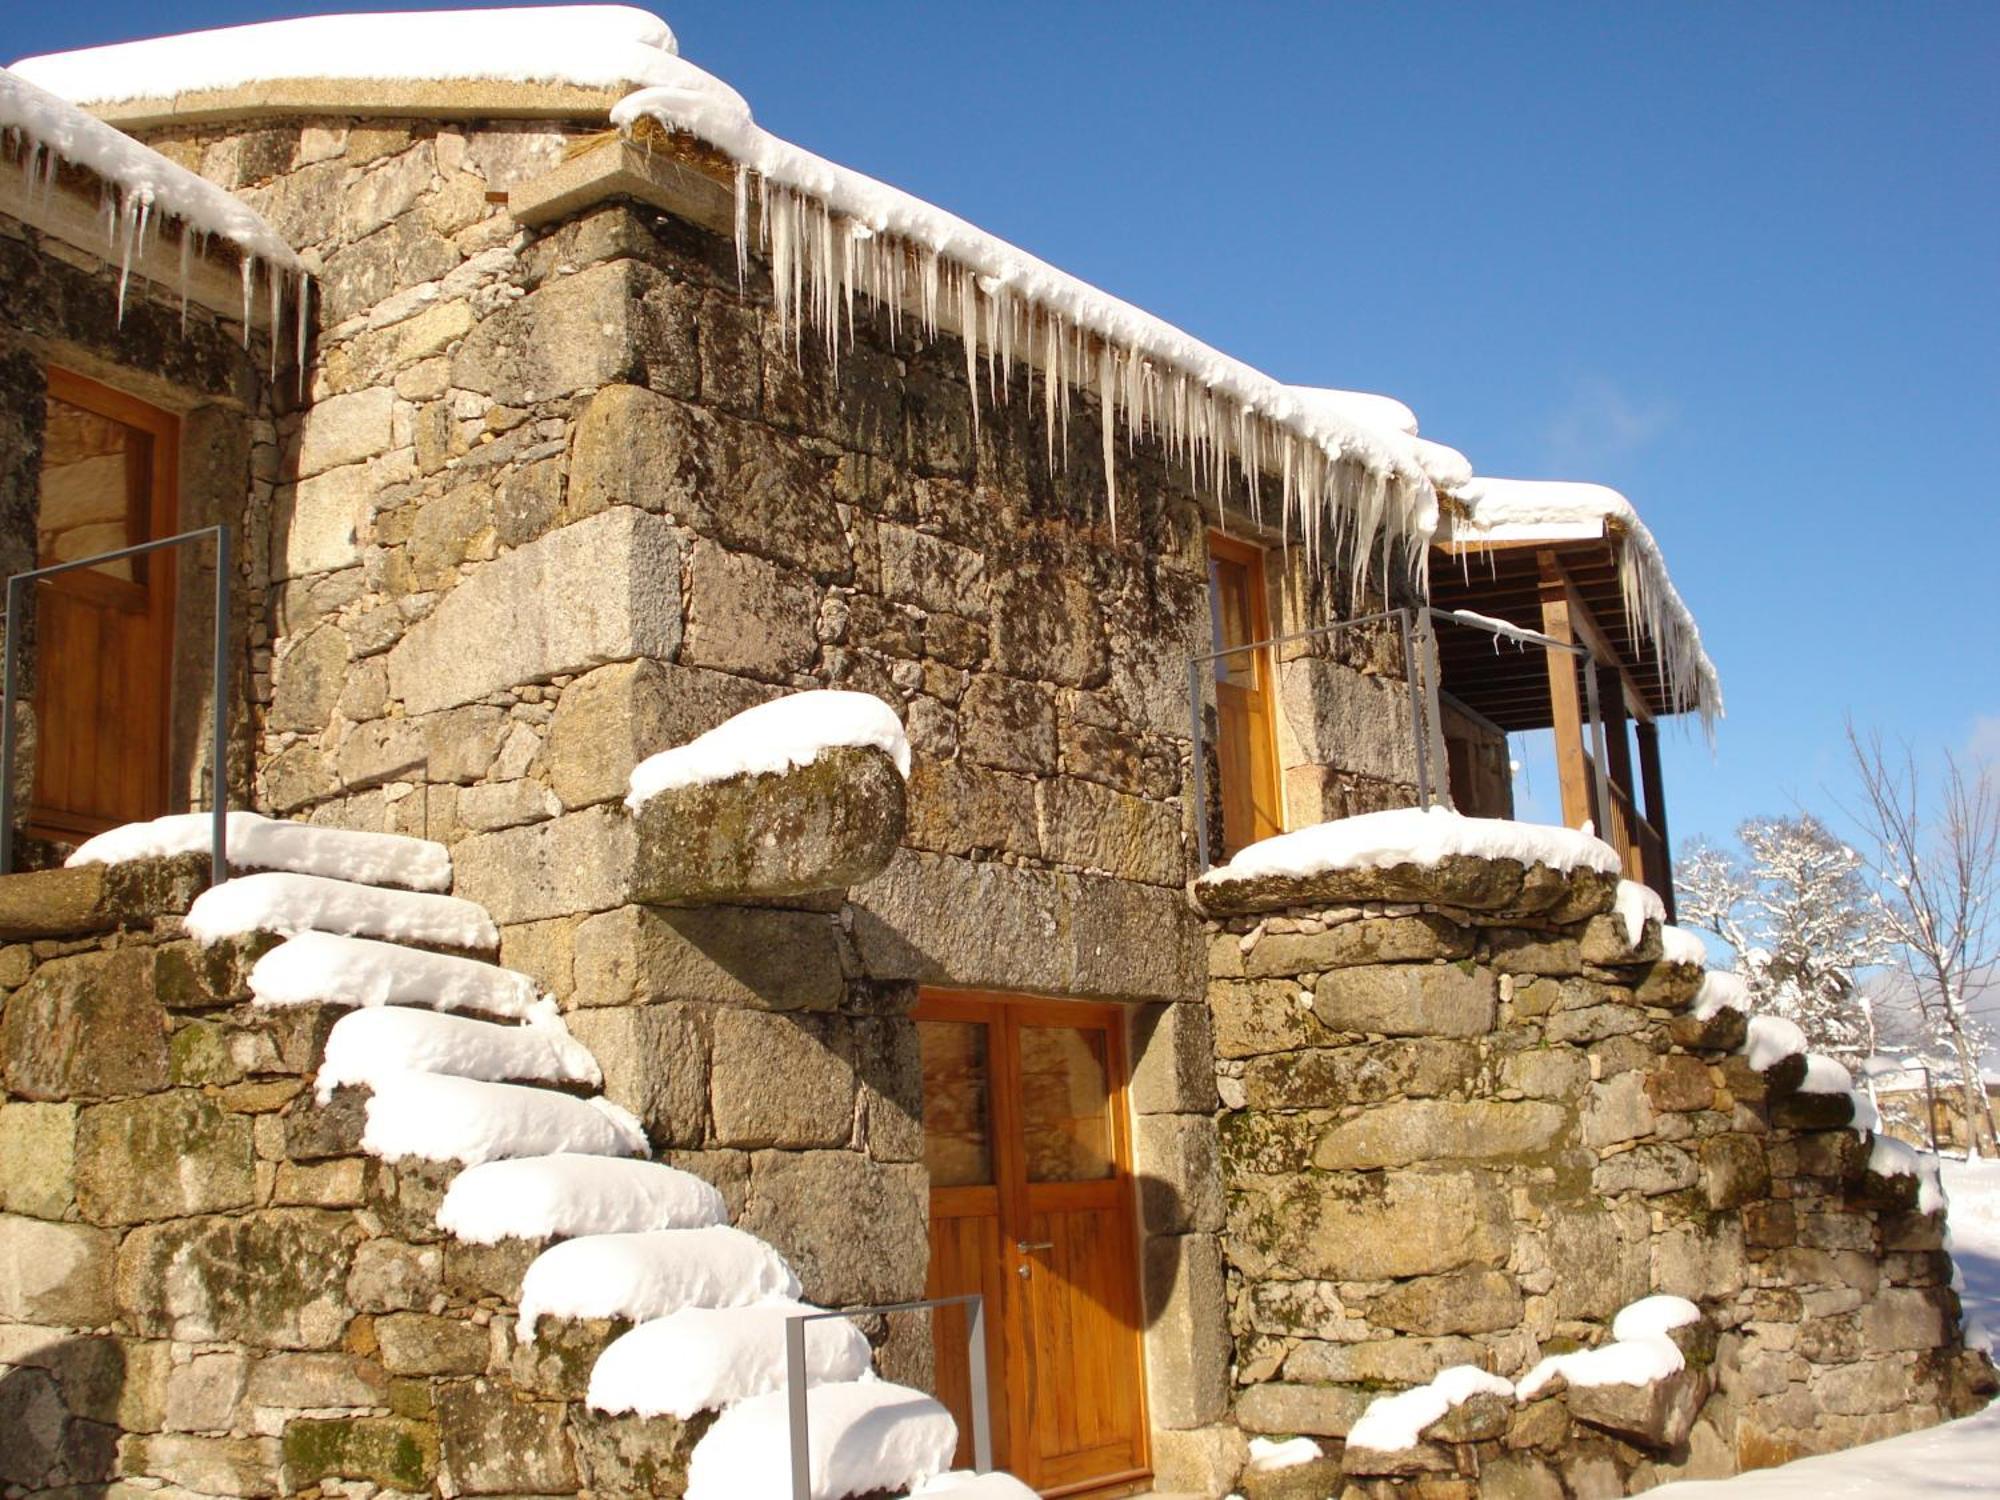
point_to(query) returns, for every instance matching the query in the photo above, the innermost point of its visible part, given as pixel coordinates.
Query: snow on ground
(1414, 836)
(1958, 1458)
(1973, 1190)
(774, 737)
(592, 46)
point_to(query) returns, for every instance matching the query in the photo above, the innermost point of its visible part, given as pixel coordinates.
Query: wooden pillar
(1565, 702)
(1656, 809)
(1618, 830)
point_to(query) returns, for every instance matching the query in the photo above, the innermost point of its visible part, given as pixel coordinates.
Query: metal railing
(18, 584)
(1417, 629)
(795, 1379)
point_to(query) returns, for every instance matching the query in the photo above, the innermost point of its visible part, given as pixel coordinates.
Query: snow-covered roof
(1492, 511)
(591, 46)
(147, 187)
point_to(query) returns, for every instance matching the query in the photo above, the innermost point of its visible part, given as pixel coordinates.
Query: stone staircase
(536, 1283)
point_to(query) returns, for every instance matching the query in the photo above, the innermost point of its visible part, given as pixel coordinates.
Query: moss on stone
(393, 1452)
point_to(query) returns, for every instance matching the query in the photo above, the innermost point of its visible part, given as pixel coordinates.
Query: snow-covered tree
(1938, 881)
(1798, 912)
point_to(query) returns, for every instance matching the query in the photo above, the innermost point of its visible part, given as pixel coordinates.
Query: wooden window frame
(1226, 548)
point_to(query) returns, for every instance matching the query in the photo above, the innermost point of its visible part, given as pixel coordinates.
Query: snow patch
(259, 843)
(1825, 1076)
(864, 1436)
(291, 904)
(591, 46)
(651, 1274)
(774, 737)
(963, 1484)
(1654, 1316)
(1769, 1040)
(436, 1117)
(1634, 1361)
(368, 1045)
(1268, 1454)
(1414, 836)
(1889, 1157)
(1636, 903)
(559, 1196)
(1721, 990)
(705, 1358)
(1679, 946)
(325, 968)
(1394, 1423)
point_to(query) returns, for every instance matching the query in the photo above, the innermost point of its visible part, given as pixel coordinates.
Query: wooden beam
(1566, 706)
(1618, 830)
(1592, 635)
(1656, 810)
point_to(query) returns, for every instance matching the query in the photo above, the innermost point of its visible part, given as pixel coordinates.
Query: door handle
(1024, 1247)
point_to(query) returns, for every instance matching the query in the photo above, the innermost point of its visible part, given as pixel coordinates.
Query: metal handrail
(795, 1379)
(1415, 626)
(218, 852)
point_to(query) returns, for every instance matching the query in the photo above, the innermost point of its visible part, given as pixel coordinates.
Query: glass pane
(1231, 621)
(1065, 1104)
(93, 487)
(958, 1134)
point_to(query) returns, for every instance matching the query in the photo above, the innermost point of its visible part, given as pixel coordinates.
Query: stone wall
(1465, 1121)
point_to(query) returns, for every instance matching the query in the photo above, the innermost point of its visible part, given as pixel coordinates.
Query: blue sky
(1739, 262)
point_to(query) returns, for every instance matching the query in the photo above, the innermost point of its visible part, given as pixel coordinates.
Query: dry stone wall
(1465, 1120)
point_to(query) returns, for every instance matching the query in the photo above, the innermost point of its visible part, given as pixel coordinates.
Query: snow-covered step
(326, 968)
(291, 904)
(435, 1117)
(864, 1436)
(706, 1358)
(963, 1484)
(366, 1046)
(639, 1277)
(256, 842)
(565, 1195)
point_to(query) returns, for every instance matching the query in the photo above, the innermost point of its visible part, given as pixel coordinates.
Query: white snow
(863, 1436)
(1769, 1040)
(1635, 904)
(1972, 1223)
(437, 1117)
(368, 1045)
(591, 46)
(1267, 1454)
(651, 1274)
(323, 967)
(1446, 468)
(1393, 1423)
(1414, 836)
(1721, 990)
(705, 1358)
(256, 842)
(1956, 1458)
(773, 737)
(291, 904)
(962, 1484)
(834, 234)
(1653, 1316)
(1500, 510)
(1826, 1076)
(1889, 1157)
(550, 1197)
(1633, 1361)
(1679, 946)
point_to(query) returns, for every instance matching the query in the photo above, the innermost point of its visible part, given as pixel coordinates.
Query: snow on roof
(1515, 510)
(773, 737)
(1447, 468)
(834, 233)
(1414, 836)
(590, 46)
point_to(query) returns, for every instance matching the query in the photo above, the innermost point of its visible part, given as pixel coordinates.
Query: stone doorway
(1027, 1142)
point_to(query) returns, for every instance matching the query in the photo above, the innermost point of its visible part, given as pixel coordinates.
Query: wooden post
(1656, 809)
(1565, 702)
(1618, 832)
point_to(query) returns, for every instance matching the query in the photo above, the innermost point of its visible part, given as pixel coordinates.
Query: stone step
(365, 1046)
(707, 1358)
(329, 968)
(864, 1436)
(288, 904)
(255, 842)
(567, 1194)
(648, 1275)
(436, 1117)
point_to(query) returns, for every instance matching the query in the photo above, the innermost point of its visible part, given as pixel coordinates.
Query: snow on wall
(591, 46)
(834, 234)
(1394, 1423)
(773, 737)
(1496, 510)
(291, 904)
(1414, 836)
(436, 1117)
(366, 1046)
(260, 843)
(143, 190)
(564, 1195)
(327, 968)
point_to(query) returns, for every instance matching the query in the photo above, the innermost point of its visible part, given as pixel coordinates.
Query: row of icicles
(131, 229)
(821, 261)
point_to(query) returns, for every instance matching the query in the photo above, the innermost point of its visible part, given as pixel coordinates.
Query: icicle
(742, 224)
(968, 335)
(248, 271)
(277, 312)
(131, 210)
(187, 261)
(303, 300)
(1107, 399)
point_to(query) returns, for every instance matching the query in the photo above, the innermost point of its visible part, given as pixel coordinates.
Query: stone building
(601, 428)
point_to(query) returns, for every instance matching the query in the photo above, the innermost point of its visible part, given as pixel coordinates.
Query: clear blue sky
(1739, 262)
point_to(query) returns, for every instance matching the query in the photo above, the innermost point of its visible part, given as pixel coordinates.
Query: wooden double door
(1031, 1204)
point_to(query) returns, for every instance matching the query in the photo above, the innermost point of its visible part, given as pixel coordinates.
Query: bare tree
(1938, 869)
(1802, 921)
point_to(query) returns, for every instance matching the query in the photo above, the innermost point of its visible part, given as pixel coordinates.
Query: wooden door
(1031, 1204)
(102, 634)
(1246, 744)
